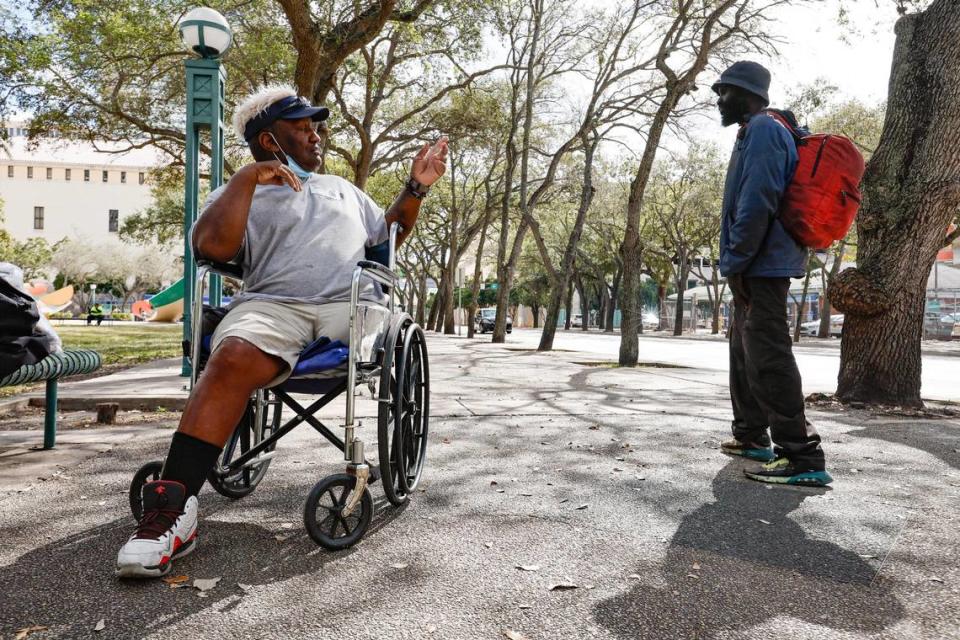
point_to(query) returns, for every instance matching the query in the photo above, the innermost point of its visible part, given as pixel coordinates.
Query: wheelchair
(387, 351)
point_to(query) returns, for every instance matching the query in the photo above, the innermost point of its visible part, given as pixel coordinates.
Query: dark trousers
(765, 385)
(91, 317)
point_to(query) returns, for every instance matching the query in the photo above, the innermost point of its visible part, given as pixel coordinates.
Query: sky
(853, 57)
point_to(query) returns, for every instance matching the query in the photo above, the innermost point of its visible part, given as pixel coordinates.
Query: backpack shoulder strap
(786, 119)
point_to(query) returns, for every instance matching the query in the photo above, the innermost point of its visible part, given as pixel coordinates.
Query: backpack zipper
(816, 163)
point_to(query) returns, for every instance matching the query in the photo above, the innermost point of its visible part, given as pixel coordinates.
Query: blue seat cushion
(319, 356)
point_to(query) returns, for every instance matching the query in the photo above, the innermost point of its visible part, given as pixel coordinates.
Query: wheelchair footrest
(263, 457)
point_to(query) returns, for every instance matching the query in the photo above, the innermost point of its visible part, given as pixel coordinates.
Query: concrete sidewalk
(542, 470)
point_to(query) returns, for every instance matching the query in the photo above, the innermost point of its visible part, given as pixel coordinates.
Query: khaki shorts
(284, 329)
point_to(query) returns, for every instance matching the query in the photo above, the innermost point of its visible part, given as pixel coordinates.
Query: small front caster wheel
(323, 513)
(147, 473)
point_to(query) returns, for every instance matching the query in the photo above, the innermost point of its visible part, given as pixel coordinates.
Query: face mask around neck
(298, 171)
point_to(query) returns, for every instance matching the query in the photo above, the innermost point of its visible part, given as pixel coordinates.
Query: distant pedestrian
(758, 258)
(95, 313)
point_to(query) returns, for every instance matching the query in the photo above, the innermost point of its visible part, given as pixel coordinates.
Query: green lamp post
(208, 34)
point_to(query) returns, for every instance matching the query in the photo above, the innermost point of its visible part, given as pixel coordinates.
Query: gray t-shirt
(303, 247)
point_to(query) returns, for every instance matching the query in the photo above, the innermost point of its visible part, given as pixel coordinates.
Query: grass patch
(119, 346)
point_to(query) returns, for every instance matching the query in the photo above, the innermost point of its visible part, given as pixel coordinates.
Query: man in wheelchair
(297, 236)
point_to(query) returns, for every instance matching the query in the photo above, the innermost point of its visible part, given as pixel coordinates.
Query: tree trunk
(587, 191)
(568, 307)
(911, 194)
(824, 329)
(433, 323)
(681, 283)
(422, 299)
(612, 309)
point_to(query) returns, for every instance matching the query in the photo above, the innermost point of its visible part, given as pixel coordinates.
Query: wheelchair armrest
(223, 268)
(386, 276)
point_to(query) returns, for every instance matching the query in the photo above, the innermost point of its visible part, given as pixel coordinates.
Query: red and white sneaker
(167, 530)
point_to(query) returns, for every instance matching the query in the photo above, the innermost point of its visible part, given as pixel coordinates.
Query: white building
(59, 189)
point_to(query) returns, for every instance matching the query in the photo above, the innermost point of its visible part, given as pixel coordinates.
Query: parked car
(650, 320)
(813, 327)
(486, 318)
(577, 320)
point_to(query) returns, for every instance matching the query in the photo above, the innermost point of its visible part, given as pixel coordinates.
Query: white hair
(257, 103)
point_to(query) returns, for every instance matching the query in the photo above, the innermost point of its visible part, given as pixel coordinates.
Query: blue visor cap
(289, 108)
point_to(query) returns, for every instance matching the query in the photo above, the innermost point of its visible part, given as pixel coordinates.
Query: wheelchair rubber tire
(326, 497)
(147, 473)
(387, 446)
(412, 413)
(244, 482)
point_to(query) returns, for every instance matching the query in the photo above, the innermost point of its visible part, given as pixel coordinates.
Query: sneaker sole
(137, 570)
(816, 479)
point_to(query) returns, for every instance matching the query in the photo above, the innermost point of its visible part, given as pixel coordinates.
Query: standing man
(758, 258)
(297, 237)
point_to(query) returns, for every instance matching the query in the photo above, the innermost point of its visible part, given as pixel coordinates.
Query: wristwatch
(417, 189)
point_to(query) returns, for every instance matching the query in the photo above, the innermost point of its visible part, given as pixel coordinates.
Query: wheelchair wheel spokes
(388, 434)
(251, 430)
(413, 407)
(323, 513)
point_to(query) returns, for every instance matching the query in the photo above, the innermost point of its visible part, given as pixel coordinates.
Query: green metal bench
(51, 369)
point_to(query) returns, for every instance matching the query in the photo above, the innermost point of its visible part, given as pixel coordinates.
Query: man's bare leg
(235, 370)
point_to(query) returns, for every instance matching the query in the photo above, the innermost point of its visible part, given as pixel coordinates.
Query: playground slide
(55, 301)
(168, 304)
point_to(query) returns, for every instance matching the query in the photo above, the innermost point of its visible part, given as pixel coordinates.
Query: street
(819, 363)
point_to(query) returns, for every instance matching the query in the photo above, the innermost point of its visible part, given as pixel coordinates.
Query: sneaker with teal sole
(748, 450)
(782, 471)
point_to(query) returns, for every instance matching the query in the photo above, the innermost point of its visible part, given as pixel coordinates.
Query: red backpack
(821, 201)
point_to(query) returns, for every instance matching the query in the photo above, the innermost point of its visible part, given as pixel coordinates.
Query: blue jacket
(752, 240)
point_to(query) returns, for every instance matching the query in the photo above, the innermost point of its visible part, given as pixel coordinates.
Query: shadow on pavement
(71, 580)
(940, 439)
(726, 571)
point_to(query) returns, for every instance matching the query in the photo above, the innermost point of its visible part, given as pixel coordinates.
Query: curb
(127, 403)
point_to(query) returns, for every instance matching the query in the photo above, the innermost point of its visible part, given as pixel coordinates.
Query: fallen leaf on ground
(693, 575)
(528, 567)
(244, 587)
(446, 441)
(581, 507)
(493, 483)
(589, 586)
(562, 586)
(526, 606)
(499, 490)
(936, 579)
(488, 545)
(101, 625)
(399, 565)
(565, 500)
(696, 567)
(617, 469)
(527, 495)
(633, 576)
(513, 635)
(176, 581)
(767, 522)
(205, 584)
(286, 525)
(867, 557)
(23, 633)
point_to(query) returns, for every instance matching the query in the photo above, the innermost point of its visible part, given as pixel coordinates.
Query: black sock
(189, 461)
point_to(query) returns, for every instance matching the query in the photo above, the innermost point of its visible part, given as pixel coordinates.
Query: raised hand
(276, 173)
(430, 162)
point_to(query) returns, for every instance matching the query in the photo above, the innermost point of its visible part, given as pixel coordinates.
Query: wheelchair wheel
(323, 513)
(388, 443)
(248, 434)
(412, 413)
(147, 473)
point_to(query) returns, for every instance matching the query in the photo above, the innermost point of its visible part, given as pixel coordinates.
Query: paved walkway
(542, 471)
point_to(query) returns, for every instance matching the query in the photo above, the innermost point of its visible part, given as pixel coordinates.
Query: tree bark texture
(911, 194)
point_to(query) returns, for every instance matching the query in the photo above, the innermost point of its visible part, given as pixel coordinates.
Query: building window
(49, 173)
(86, 175)
(143, 177)
(29, 172)
(106, 175)
(38, 217)
(10, 171)
(123, 177)
(66, 175)
(114, 221)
